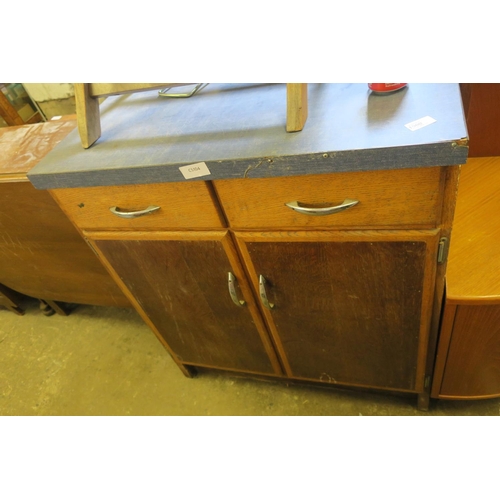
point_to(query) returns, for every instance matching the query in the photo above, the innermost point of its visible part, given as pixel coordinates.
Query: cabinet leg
(423, 401)
(188, 371)
(11, 300)
(50, 307)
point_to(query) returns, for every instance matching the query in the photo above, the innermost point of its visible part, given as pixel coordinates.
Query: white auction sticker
(194, 170)
(422, 122)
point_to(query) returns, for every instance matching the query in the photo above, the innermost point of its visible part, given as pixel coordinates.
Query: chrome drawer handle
(231, 280)
(262, 292)
(126, 214)
(298, 207)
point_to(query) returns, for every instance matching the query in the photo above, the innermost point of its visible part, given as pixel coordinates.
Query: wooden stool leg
(50, 307)
(11, 300)
(87, 114)
(296, 106)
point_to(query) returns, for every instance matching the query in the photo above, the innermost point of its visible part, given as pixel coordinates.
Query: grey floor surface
(106, 361)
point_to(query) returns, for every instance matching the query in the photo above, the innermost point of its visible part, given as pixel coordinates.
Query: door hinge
(427, 381)
(443, 250)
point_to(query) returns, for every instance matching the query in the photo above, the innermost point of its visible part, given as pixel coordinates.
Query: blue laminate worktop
(238, 130)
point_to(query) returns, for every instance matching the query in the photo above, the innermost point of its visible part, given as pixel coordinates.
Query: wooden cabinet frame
(236, 241)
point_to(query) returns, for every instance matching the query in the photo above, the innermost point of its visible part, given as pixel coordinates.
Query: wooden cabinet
(337, 235)
(350, 298)
(468, 356)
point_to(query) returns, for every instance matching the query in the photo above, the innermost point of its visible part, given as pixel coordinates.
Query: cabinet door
(348, 308)
(180, 281)
(472, 367)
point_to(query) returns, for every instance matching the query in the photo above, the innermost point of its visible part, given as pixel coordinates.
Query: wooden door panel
(347, 311)
(182, 287)
(473, 362)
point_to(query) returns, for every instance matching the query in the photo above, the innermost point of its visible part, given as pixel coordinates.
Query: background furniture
(467, 365)
(468, 360)
(233, 269)
(482, 111)
(41, 253)
(16, 107)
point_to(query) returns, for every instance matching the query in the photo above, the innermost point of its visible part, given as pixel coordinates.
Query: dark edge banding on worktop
(428, 155)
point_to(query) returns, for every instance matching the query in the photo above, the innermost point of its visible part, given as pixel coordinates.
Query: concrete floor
(106, 361)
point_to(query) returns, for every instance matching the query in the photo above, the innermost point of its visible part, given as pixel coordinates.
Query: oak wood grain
(187, 205)
(390, 198)
(473, 273)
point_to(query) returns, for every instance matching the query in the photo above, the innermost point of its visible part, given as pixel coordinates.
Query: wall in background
(42, 92)
(53, 99)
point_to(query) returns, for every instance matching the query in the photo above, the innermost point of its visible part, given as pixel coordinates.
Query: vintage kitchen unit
(316, 256)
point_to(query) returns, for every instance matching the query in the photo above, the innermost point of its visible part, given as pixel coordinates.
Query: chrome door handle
(132, 214)
(299, 207)
(262, 292)
(231, 280)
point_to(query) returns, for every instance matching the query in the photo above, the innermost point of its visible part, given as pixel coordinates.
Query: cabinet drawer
(386, 198)
(187, 205)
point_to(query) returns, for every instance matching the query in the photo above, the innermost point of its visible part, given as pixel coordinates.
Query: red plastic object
(385, 88)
